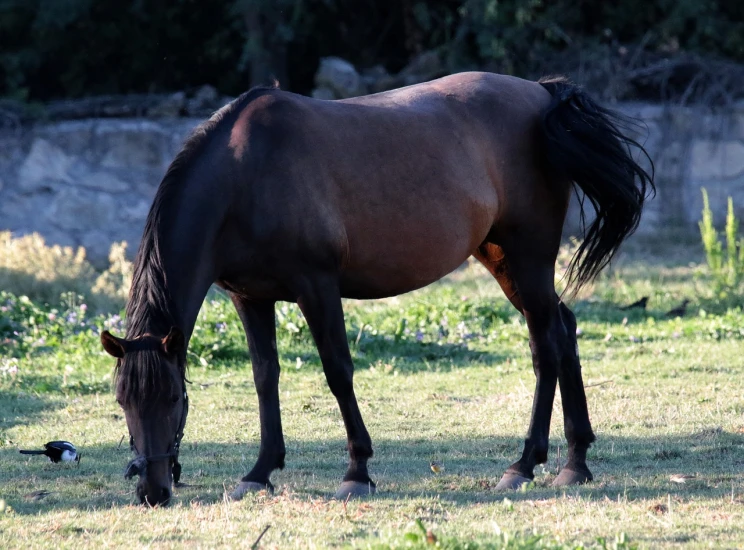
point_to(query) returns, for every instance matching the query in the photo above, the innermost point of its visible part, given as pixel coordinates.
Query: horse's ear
(114, 346)
(174, 343)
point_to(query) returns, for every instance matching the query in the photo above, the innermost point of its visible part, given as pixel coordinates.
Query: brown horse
(283, 197)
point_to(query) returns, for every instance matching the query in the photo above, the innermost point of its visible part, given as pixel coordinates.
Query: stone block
(74, 137)
(101, 180)
(711, 160)
(169, 107)
(323, 93)
(81, 210)
(45, 167)
(136, 213)
(125, 146)
(340, 76)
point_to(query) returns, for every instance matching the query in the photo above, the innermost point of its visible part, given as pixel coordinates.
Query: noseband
(138, 465)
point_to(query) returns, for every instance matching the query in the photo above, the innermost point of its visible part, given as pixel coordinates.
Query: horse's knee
(340, 381)
(266, 376)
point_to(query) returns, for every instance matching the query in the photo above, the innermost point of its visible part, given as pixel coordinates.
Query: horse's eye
(174, 399)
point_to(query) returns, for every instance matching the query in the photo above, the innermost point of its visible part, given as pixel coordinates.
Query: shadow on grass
(22, 407)
(627, 468)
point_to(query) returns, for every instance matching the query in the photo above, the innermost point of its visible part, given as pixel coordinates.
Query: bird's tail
(23, 452)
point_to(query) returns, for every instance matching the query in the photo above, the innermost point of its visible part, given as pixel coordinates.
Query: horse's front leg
(260, 328)
(320, 300)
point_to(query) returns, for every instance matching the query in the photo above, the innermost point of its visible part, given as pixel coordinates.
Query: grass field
(442, 374)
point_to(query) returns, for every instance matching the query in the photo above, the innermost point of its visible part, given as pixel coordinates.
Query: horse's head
(150, 387)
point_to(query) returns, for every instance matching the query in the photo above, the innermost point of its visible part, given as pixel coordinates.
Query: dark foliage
(72, 48)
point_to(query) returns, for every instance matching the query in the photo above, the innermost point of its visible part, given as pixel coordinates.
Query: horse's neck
(189, 215)
(188, 280)
(187, 260)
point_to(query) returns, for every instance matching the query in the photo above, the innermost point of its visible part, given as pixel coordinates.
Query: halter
(138, 465)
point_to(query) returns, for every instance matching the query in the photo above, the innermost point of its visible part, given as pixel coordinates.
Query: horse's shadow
(629, 468)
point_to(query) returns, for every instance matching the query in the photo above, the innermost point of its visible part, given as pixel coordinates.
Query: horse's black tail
(584, 142)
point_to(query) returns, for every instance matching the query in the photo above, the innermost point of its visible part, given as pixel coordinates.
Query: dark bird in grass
(640, 304)
(57, 451)
(678, 311)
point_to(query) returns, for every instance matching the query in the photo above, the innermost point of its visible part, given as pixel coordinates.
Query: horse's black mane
(150, 308)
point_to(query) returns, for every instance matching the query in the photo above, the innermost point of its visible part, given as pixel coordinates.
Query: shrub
(46, 274)
(728, 271)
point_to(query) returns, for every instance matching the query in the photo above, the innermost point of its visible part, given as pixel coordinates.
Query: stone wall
(692, 147)
(90, 182)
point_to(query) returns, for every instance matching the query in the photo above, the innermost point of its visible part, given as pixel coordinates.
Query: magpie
(640, 304)
(57, 451)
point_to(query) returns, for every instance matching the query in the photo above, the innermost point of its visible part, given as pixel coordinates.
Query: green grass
(442, 374)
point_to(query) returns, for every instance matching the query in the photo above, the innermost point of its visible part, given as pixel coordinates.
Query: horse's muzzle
(153, 494)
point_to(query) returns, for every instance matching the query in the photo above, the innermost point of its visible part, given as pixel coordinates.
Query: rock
(74, 137)
(715, 160)
(81, 210)
(738, 122)
(97, 246)
(425, 66)
(670, 159)
(170, 107)
(340, 76)
(44, 168)
(102, 181)
(207, 94)
(205, 101)
(372, 75)
(127, 145)
(323, 93)
(136, 213)
(388, 82)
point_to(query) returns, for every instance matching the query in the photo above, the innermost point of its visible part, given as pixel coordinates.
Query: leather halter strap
(147, 342)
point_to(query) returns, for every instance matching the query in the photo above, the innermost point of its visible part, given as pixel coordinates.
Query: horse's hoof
(512, 481)
(249, 487)
(568, 477)
(355, 489)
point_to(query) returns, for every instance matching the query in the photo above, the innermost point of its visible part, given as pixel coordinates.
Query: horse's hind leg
(576, 422)
(260, 328)
(526, 276)
(320, 300)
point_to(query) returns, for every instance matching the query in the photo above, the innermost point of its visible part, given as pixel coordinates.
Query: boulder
(204, 102)
(323, 93)
(716, 160)
(45, 167)
(424, 66)
(169, 107)
(81, 210)
(339, 76)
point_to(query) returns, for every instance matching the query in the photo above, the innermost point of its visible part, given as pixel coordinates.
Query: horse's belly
(381, 283)
(388, 263)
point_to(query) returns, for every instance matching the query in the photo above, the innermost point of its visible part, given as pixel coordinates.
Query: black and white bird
(57, 451)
